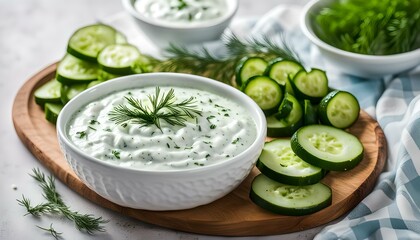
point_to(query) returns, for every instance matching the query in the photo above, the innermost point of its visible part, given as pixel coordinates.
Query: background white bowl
(353, 63)
(161, 33)
(161, 190)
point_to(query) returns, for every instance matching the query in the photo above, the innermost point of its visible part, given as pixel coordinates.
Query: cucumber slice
(310, 113)
(87, 42)
(144, 64)
(339, 109)
(288, 199)
(104, 76)
(286, 126)
(281, 128)
(70, 91)
(266, 92)
(72, 70)
(49, 92)
(282, 71)
(51, 111)
(249, 67)
(118, 58)
(312, 85)
(327, 147)
(278, 162)
(120, 38)
(94, 83)
(285, 107)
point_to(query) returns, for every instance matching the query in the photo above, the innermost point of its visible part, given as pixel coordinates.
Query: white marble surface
(33, 34)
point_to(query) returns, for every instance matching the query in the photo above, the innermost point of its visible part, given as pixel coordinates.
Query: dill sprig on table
(56, 205)
(162, 107)
(376, 27)
(222, 68)
(52, 231)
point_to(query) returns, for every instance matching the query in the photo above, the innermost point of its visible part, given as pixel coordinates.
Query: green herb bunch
(56, 205)
(222, 68)
(374, 27)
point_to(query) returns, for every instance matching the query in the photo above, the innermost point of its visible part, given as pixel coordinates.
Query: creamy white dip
(224, 130)
(181, 11)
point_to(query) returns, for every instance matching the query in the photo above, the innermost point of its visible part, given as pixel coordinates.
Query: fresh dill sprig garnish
(52, 231)
(56, 205)
(222, 68)
(162, 107)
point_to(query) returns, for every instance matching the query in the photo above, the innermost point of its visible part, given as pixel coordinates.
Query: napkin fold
(392, 209)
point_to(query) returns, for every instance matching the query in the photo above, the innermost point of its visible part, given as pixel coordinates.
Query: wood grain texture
(232, 215)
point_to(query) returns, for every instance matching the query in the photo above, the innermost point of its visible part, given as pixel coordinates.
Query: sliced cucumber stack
(327, 147)
(288, 199)
(278, 162)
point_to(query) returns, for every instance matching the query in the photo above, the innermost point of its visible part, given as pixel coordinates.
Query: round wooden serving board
(232, 215)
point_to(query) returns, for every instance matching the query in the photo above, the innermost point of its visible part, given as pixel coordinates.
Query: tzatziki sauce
(182, 11)
(224, 130)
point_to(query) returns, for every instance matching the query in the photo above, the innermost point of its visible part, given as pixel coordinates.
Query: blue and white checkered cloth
(392, 210)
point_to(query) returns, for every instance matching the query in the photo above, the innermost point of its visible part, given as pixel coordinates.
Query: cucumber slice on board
(339, 109)
(266, 92)
(249, 67)
(70, 91)
(282, 71)
(51, 111)
(104, 76)
(49, 92)
(87, 42)
(288, 199)
(72, 70)
(286, 126)
(311, 85)
(278, 162)
(118, 58)
(327, 147)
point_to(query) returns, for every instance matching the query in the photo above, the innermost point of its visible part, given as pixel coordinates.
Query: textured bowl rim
(236, 94)
(128, 5)
(309, 33)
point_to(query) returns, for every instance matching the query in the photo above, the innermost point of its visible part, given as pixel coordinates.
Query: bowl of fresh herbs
(365, 38)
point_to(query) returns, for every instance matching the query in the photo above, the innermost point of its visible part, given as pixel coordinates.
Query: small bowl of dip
(181, 21)
(165, 166)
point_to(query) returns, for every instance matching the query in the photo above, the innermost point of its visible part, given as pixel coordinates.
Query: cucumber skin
(238, 70)
(313, 160)
(76, 54)
(284, 132)
(301, 96)
(273, 110)
(296, 181)
(322, 109)
(287, 211)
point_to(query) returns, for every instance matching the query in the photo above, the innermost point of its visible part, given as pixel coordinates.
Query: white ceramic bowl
(162, 33)
(153, 189)
(353, 63)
